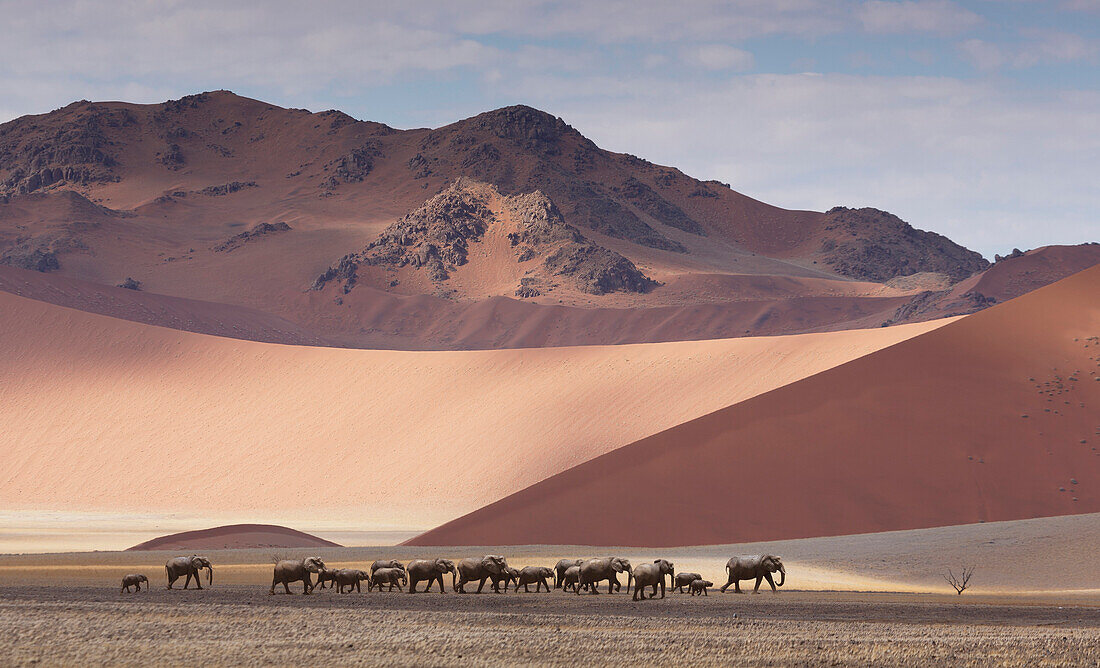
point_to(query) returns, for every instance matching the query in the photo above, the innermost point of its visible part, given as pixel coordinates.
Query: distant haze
(979, 120)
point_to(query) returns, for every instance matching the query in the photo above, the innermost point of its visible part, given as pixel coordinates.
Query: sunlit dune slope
(109, 415)
(993, 417)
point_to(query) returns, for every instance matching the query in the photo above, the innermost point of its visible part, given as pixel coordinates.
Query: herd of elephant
(574, 575)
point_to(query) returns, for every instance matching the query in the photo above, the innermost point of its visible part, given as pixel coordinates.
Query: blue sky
(976, 119)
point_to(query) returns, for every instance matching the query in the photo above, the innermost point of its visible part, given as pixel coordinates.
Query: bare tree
(961, 582)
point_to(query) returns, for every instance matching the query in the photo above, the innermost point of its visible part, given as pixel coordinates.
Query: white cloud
(913, 16)
(719, 57)
(989, 166)
(1040, 47)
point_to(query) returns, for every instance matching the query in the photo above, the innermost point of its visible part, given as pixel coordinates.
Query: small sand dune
(234, 537)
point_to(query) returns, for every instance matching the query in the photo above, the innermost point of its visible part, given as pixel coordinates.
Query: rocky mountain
(364, 234)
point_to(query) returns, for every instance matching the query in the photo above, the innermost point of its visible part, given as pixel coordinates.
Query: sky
(977, 119)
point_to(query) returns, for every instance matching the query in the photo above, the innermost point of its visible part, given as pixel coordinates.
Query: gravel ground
(243, 625)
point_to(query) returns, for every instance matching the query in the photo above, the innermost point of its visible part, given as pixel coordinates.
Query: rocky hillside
(436, 240)
(224, 199)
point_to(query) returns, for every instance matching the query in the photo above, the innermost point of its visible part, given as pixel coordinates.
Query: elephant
(570, 577)
(510, 576)
(489, 567)
(647, 575)
(754, 566)
(189, 566)
(537, 575)
(134, 580)
(350, 578)
(699, 586)
(390, 563)
(294, 570)
(390, 576)
(594, 571)
(325, 575)
(684, 580)
(559, 570)
(431, 570)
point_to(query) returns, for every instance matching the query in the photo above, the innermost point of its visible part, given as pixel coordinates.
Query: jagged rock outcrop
(437, 233)
(257, 232)
(227, 188)
(876, 245)
(36, 155)
(436, 237)
(353, 166)
(592, 268)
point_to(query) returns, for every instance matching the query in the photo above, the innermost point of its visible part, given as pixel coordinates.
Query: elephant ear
(617, 565)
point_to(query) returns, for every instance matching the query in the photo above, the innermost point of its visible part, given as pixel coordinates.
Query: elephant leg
(737, 586)
(771, 582)
(662, 587)
(198, 580)
(440, 581)
(480, 584)
(286, 586)
(759, 579)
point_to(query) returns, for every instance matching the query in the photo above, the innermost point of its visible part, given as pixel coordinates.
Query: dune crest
(992, 417)
(157, 420)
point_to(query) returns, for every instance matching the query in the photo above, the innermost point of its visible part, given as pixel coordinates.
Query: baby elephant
(350, 578)
(700, 587)
(134, 580)
(684, 580)
(325, 575)
(536, 575)
(569, 578)
(390, 576)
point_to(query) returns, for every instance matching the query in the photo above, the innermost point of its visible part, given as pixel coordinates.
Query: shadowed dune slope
(993, 417)
(157, 420)
(235, 537)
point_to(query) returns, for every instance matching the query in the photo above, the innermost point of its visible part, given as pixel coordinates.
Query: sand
(993, 417)
(66, 608)
(162, 422)
(234, 537)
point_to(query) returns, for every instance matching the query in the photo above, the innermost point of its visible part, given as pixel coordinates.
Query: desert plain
(848, 600)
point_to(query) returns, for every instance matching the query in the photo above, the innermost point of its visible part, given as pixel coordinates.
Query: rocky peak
(525, 125)
(876, 245)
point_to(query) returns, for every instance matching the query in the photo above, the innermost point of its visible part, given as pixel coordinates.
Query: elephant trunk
(782, 576)
(454, 579)
(210, 576)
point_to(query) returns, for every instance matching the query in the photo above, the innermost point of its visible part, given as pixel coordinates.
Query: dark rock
(875, 245)
(172, 157)
(257, 232)
(598, 270)
(227, 188)
(526, 292)
(353, 166)
(440, 229)
(130, 284)
(663, 211)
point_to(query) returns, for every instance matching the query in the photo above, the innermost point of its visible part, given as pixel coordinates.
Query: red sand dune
(235, 537)
(993, 417)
